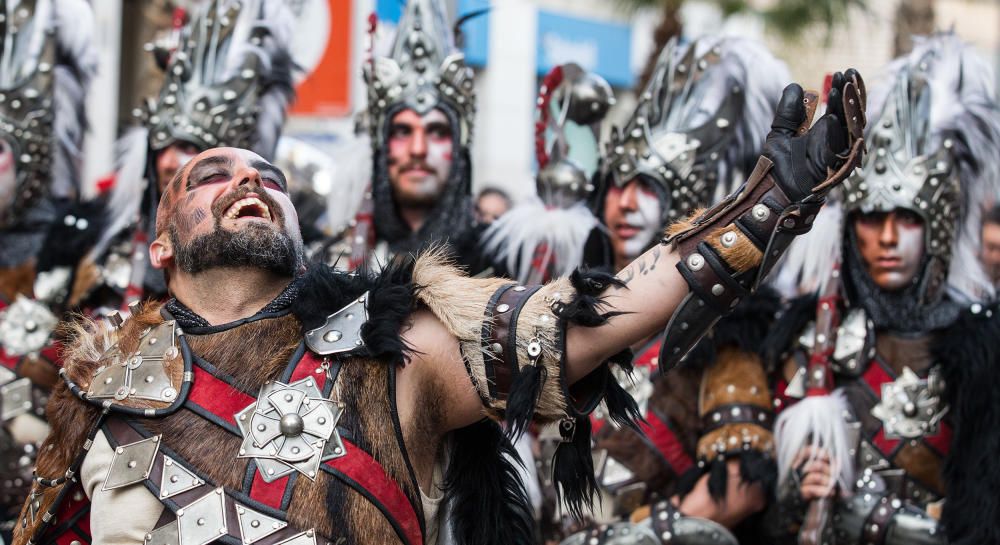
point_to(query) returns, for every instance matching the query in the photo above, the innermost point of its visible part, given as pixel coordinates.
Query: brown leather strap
(877, 523)
(663, 515)
(737, 414)
(499, 337)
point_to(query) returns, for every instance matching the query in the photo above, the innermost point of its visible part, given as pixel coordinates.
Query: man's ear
(161, 252)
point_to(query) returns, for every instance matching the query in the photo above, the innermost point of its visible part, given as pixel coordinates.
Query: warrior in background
(228, 82)
(888, 430)
(47, 60)
(704, 467)
(421, 109)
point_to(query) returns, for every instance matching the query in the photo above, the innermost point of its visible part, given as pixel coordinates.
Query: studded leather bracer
(727, 250)
(505, 329)
(735, 409)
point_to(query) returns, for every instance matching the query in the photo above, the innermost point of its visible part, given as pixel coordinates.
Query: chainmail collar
(191, 322)
(902, 311)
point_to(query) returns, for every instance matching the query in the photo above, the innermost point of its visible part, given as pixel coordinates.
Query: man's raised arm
(543, 353)
(706, 264)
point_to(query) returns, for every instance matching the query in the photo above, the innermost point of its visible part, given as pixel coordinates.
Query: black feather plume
(486, 499)
(524, 392)
(573, 470)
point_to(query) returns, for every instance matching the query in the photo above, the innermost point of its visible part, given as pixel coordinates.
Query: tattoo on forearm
(646, 263)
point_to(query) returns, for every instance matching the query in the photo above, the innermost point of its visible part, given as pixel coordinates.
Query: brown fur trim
(88, 275)
(91, 341)
(685, 224)
(740, 257)
(18, 280)
(460, 303)
(731, 438)
(736, 378)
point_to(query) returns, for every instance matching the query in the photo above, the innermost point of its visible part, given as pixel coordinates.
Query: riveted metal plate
(342, 330)
(290, 427)
(305, 538)
(176, 478)
(204, 520)
(25, 326)
(256, 526)
(132, 463)
(164, 535)
(15, 398)
(141, 374)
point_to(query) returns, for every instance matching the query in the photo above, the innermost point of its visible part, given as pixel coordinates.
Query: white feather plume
(124, 205)
(514, 238)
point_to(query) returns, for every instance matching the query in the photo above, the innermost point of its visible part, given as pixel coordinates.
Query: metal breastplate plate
(288, 428)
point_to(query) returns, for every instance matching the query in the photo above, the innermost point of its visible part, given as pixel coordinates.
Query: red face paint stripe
(666, 441)
(216, 396)
(360, 467)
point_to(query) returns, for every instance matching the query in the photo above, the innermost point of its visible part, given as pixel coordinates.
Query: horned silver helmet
(46, 62)
(699, 122)
(423, 71)
(934, 152)
(230, 58)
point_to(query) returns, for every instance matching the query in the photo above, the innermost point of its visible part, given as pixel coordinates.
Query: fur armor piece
(480, 468)
(968, 351)
(459, 302)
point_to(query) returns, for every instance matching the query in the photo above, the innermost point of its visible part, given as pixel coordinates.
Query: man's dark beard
(254, 245)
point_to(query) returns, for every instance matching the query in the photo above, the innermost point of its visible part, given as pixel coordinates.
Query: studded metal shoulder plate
(342, 330)
(854, 343)
(132, 379)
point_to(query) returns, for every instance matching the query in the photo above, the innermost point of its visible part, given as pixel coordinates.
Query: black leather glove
(804, 159)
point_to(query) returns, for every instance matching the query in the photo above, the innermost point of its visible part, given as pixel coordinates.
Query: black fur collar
(391, 299)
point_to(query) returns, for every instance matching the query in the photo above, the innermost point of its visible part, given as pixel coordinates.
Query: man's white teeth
(238, 206)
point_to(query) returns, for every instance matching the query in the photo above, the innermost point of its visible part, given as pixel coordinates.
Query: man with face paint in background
(225, 84)
(309, 405)
(421, 109)
(694, 134)
(889, 426)
(48, 60)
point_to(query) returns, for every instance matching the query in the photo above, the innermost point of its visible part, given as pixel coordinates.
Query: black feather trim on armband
(486, 500)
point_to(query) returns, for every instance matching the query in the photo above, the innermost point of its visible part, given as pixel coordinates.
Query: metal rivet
(728, 239)
(718, 290)
(695, 262)
(503, 307)
(332, 336)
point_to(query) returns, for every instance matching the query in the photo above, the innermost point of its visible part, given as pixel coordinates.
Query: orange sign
(326, 89)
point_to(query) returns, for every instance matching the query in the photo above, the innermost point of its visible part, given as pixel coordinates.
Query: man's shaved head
(229, 207)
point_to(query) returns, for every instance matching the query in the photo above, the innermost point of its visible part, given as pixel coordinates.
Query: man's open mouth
(249, 207)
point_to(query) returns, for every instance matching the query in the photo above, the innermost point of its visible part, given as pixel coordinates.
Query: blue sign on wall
(389, 10)
(476, 31)
(601, 47)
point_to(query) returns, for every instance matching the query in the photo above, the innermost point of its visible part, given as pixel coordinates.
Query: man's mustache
(417, 165)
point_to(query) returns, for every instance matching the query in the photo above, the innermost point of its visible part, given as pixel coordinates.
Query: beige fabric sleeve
(117, 517)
